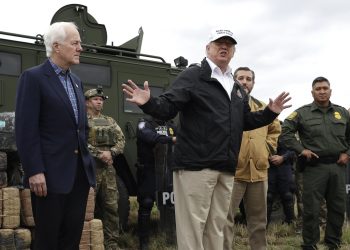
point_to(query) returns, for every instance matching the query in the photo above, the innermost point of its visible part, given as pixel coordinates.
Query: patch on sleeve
(292, 116)
(141, 125)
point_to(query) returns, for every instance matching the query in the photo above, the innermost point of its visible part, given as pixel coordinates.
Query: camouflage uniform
(104, 135)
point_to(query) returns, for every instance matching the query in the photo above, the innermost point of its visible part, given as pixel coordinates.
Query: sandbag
(90, 206)
(7, 239)
(22, 238)
(11, 207)
(27, 218)
(96, 235)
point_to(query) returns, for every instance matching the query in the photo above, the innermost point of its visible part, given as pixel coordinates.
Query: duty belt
(323, 159)
(303, 162)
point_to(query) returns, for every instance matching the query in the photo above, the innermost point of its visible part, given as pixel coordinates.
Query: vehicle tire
(123, 205)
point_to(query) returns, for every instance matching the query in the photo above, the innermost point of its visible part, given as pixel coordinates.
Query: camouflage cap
(95, 92)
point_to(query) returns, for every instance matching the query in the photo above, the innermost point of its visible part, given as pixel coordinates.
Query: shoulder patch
(337, 115)
(141, 125)
(292, 116)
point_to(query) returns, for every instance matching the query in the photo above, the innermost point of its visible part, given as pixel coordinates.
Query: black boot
(143, 229)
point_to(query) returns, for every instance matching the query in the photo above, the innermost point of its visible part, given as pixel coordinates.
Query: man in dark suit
(51, 133)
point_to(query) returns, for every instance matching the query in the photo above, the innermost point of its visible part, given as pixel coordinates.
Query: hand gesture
(278, 104)
(135, 94)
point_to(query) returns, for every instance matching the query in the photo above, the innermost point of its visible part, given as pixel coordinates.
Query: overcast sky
(287, 42)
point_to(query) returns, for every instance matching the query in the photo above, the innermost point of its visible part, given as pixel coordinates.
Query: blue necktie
(67, 84)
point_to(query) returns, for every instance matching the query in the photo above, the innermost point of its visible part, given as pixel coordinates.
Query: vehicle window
(133, 108)
(10, 64)
(93, 74)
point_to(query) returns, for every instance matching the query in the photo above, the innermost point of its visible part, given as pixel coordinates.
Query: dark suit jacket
(48, 138)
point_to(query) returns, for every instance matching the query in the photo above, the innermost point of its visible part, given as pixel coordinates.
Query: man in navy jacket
(51, 132)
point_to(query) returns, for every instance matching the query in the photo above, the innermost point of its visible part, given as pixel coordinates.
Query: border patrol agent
(324, 132)
(149, 133)
(106, 140)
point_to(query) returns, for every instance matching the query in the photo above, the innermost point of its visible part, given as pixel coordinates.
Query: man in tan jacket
(251, 173)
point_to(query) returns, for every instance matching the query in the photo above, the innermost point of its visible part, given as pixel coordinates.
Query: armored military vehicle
(101, 64)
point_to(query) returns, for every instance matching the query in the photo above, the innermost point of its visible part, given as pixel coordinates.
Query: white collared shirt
(226, 79)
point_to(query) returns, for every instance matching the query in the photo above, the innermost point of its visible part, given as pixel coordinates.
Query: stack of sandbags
(85, 240)
(92, 235)
(12, 237)
(27, 218)
(10, 207)
(3, 166)
(96, 235)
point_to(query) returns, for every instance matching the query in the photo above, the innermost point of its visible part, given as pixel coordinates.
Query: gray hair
(57, 32)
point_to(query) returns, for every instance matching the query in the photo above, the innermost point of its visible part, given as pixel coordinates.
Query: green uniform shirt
(324, 131)
(105, 134)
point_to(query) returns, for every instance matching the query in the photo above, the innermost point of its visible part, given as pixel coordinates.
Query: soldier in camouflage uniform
(106, 140)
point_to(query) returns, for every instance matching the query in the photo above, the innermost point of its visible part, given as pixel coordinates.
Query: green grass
(279, 237)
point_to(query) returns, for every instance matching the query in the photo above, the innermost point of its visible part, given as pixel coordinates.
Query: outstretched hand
(136, 94)
(278, 104)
